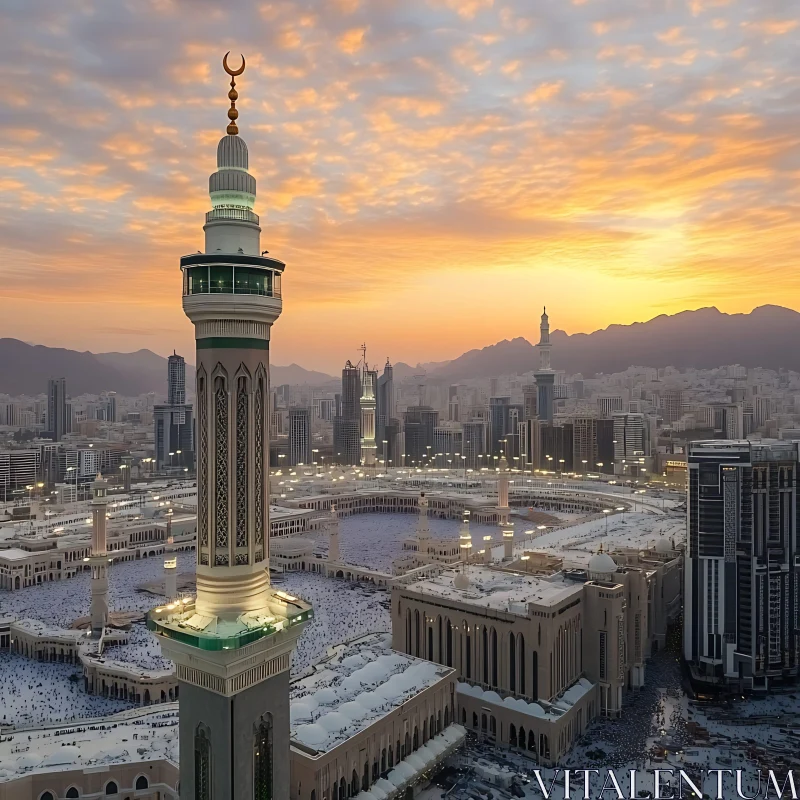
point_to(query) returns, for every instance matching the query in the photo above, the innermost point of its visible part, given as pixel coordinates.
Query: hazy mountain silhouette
(25, 368)
(702, 339)
(706, 338)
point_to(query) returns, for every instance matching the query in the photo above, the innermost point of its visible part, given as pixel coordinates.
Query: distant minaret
(170, 566)
(98, 561)
(465, 540)
(545, 377)
(423, 531)
(502, 492)
(369, 379)
(333, 536)
(487, 549)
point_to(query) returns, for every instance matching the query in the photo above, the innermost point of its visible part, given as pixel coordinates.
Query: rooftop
(502, 591)
(356, 684)
(93, 743)
(179, 621)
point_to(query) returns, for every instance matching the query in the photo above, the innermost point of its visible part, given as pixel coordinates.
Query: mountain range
(25, 368)
(702, 339)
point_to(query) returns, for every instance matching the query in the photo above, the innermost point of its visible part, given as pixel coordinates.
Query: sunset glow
(432, 173)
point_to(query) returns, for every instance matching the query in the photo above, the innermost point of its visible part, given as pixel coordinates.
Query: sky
(432, 172)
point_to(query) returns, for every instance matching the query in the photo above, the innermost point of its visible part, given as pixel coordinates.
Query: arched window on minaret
(202, 467)
(262, 760)
(258, 461)
(242, 435)
(202, 763)
(221, 468)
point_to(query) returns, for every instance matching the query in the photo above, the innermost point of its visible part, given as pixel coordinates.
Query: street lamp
(606, 511)
(622, 509)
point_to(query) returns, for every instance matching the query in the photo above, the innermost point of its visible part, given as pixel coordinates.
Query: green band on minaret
(232, 342)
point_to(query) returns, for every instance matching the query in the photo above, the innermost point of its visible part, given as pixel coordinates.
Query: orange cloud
(352, 41)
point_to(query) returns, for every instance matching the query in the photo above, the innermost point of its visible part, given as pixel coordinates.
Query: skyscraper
(453, 410)
(499, 423)
(299, 436)
(58, 421)
(474, 446)
(671, 404)
(232, 646)
(176, 380)
(173, 423)
(385, 408)
(347, 426)
(584, 444)
(629, 435)
(418, 425)
(741, 571)
(545, 377)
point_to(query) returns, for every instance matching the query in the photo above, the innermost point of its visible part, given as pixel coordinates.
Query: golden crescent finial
(232, 128)
(231, 72)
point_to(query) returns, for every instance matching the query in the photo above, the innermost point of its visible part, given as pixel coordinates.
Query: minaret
(368, 380)
(502, 492)
(461, 580)
(545, 377)
(503, 509)
(232, 646)
(423, 530)
(333, 536)
(465, 540)
(98, 561)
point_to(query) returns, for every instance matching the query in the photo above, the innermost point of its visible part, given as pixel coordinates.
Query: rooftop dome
(663, 545)
(602, 563)
(232, 153)
(461, 581)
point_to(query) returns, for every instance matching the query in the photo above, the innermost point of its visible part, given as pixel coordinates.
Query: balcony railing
(243, 214)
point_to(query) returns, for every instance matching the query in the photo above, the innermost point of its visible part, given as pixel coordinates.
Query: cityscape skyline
(623, 590)
(611, 163)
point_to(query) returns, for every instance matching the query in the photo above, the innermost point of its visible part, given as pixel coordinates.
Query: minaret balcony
(231, 274)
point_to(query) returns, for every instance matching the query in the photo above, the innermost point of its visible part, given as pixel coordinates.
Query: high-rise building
(742, 578)
(176, 380)
(671, 405)
(299, 436)
(453, 409)
(545, 377)
(608, 404)
(232, 645)
(605, 446)
(448, 446)
(629, 435)
(389, 446)
(499, 423)
(58, 418)
(173, 436)
(530, 443)
(419, 423)
(474, 443)
(584, 443)
(384, 407)
(174, 422)
(530, 401)
(347, 425)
